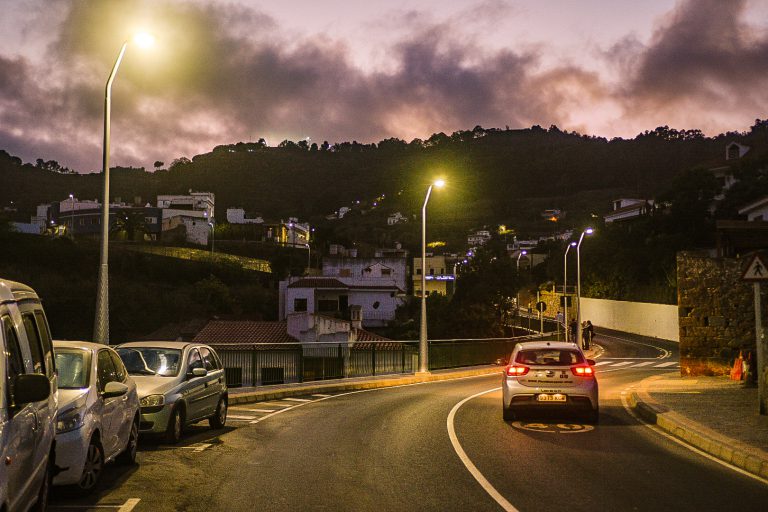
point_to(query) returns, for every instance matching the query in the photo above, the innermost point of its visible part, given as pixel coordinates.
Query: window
(442, 271)
(208, 359)
(431, 271)
(418, 271)
(38, 363)
(345, 272)
(45, 341)
(15, 361)
(194, 361)
(327, 306)
(105, 369)
(120, 372)
(376, 305)
(299, 305)
(386, 271)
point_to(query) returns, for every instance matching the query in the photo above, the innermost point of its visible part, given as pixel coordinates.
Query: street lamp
(565, 288)
(72, 215)
(309, 257)
(423, 349)
(587, 231)
(517, 299)
(101, 322)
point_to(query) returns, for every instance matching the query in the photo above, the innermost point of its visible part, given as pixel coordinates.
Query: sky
(223, 72)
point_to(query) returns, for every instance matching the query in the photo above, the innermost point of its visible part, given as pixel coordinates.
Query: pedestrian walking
(574, 328)
(587, 332)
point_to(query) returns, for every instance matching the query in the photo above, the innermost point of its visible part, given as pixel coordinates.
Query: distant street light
(565, 288)
(423, 348)
(101, 322)
(309, 257)
(587, 231)
(517, 299)
(72, 215)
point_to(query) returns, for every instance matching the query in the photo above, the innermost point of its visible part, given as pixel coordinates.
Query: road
(392, 449)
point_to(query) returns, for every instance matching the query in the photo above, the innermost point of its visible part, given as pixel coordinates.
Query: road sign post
(756, 273)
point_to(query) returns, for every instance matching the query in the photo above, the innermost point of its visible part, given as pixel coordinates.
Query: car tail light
(515, 370)
(583, 371)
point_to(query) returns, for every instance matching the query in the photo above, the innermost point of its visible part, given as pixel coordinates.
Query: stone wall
(717, 315)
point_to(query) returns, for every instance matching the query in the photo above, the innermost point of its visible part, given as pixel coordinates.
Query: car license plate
(556, 397)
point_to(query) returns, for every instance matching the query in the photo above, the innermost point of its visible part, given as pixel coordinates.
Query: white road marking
(625, 403)
(238, 417)
(197, 447)
(276, 404)
(125, 507)
(297, 399)
(664, 352)
(322, 396)
(623, 363)
(602, 363)
(664, 365)
(129, 505)
(484, 483)
(560, 428)
(646, 363)
(262, 410)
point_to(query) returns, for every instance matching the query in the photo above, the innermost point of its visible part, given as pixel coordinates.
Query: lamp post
(423, 349)
(101, 322)
(72, 215)
(565, 288)
(517, 299)
(309, 257)
(587, 231)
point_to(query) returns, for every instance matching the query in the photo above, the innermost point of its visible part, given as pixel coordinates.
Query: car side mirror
(197, 372)
(591, 362)
(113, 389)
(30, 387)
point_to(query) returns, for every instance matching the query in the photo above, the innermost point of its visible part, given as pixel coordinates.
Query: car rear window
(549, 357)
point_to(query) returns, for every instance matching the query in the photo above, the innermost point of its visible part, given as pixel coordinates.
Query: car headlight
(153, 401)
(70, 420)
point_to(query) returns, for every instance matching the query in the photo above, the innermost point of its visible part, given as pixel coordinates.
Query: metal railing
(266, 364)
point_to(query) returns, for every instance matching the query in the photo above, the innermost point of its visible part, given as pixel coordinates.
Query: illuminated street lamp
(72, 215)
(423, 349)
(587, 231)
(565, 288)
(101, 322)
(517, 299)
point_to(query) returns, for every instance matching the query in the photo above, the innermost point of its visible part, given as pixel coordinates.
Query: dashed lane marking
(297, 399)
(646, 363)
(198, 447)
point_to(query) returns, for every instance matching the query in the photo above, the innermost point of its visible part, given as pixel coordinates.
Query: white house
(478, 238)
(396, 218)
(197, 229)
(734, 151)
(237, 216)
(624, 209)
(757, 210)
(195, 204)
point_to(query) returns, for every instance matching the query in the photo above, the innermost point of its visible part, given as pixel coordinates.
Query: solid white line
(664, 352)
(129, 505)
(322, 396)
(297, 399)
(484, 483)
(664, 365)
(655, 428)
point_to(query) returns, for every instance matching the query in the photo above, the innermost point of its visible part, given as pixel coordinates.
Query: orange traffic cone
(737, 372)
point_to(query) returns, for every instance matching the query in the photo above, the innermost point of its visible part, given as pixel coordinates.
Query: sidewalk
(714, 414)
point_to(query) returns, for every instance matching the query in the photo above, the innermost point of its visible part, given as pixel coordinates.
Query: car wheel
(94, 464)
(128, 456)
(219, 418)
(175, 426)
(508, 414)
(45, 488)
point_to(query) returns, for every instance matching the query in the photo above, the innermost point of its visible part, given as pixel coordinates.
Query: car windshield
(73, 366)
(549, 357)
(151, 361)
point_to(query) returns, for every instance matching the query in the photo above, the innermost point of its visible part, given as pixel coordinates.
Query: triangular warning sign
(756, 270)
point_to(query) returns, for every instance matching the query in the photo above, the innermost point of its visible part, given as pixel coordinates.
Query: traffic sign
(541, 306)
(756, 270)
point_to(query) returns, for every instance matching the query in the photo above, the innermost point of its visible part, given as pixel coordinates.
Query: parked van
(28, 402)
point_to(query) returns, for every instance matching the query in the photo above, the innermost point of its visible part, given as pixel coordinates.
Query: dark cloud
(706, 54)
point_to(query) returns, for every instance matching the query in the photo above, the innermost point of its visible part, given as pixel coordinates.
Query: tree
(159, 164)
(131, 223)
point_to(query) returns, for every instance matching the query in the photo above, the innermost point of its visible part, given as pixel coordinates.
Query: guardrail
(256, 365)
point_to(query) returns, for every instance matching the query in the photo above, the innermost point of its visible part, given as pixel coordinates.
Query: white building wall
(375, 316)
(655, 320)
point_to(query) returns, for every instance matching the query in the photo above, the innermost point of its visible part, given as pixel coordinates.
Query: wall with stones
(717, 315)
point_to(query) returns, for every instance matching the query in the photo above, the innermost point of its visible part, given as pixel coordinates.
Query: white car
(27, 400)
(98, 418)
(549, 376)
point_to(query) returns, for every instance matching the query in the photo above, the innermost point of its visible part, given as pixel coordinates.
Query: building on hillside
(237, 216)
(387, 267)
(396, 218)
(439, 276)
(756, 210)
(553, 214)
(478, 238)
(83, 217)
(329, 296)
(627, 209)
(192, 205)
(734, 151)
(194, 229)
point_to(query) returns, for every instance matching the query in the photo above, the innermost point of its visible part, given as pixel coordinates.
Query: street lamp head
(144, 40)
(574, 244)
(523, 252)
(439, 183)
(589, 231)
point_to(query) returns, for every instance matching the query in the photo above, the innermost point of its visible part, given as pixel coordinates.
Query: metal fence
(265, 364)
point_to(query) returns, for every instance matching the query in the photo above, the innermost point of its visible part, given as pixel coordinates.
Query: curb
(747, 458)
(277, 392)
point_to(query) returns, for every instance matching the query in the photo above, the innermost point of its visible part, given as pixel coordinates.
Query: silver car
(179, 384)
(552, 376)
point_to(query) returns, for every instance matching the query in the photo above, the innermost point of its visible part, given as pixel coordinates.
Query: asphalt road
(391, 449)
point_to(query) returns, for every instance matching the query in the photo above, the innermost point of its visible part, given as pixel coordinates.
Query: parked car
(179, 384)
(98, 418)
(27, 400)
(552, 376)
